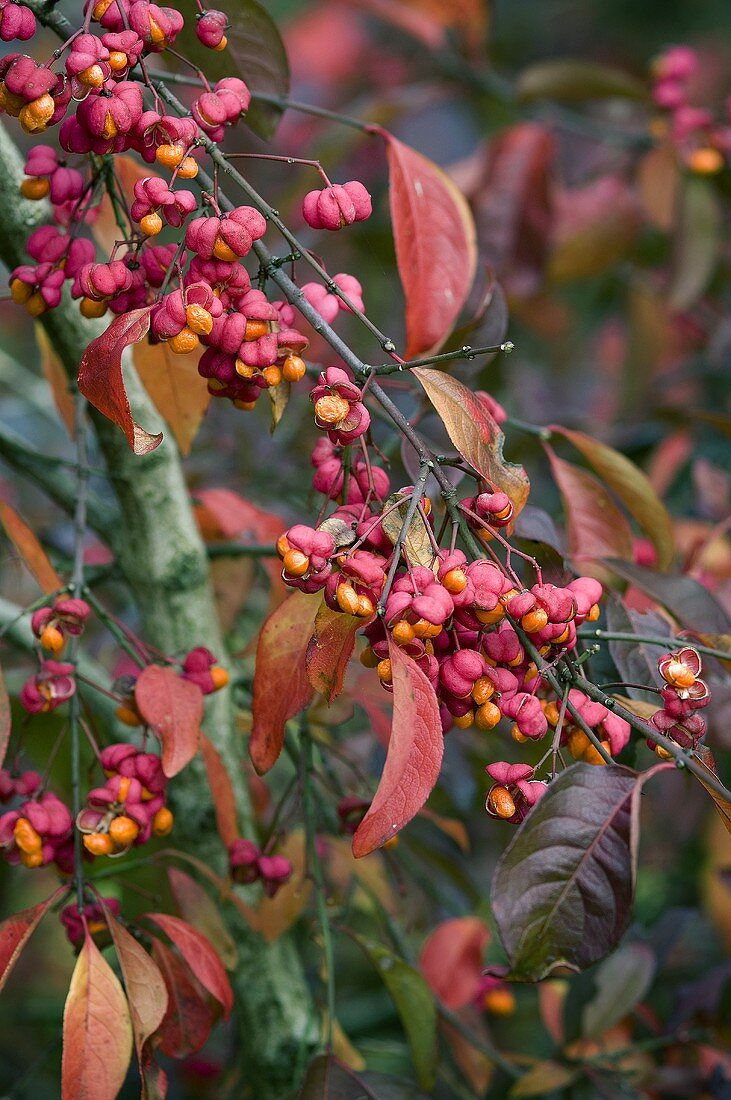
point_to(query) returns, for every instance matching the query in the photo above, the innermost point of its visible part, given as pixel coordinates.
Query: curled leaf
(198, 908)
(101, 381)
(416, 544)
(697, 242)
(436, 250)
(413, 759)
(689, 602)
(415, 1005)
(5, 718)
(57, 378)
(621, 982)
(190, 1014)
(475, 433)
(704, 757)
(514, 207)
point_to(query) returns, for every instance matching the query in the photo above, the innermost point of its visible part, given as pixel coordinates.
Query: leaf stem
(314, 868)
(76, 588)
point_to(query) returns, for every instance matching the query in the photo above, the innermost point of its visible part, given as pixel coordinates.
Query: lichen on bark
(163, 560)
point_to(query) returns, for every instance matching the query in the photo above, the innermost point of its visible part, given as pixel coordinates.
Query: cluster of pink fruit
(469, 625)
(702, 139)
(200, 292)
(129, 809)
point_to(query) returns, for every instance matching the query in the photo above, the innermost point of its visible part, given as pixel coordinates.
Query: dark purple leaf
(688, 601)
(636, 662)
(329, 1079)
(562, 891)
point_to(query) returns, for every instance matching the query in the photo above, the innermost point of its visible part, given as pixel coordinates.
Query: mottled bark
(163, 560)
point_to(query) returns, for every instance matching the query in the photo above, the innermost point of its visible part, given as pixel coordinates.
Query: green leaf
(254, 44)
(621, 982)
(415, 1005)
(632, 487)
(562, 891)
(542, 1078)
(697, 243)
(572, 80)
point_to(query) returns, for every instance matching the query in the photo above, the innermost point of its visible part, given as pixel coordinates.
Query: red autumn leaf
(451, 960)
(29, 548)
(189, 1018)
(513, 206)
(223, 514)
(596, 527)
(197, 907)
(224, 799)
(173, 709)
(200, 956)
(16, 931)
(413, 759)
(281, 685)
(97, 1031)
(475, 433)
(179, 393)
(143, 982)
(633, 488)
(330, 649)
(5, 718)
(368, 693)
(436, 250)
(101, 380)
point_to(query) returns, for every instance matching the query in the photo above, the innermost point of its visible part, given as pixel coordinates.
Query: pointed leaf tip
(413, 760)
(436, 248)
(101, 380)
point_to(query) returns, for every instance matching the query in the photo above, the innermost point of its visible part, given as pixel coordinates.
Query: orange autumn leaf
(178, 391)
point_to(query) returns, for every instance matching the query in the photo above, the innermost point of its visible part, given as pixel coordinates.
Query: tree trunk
(164, 562)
